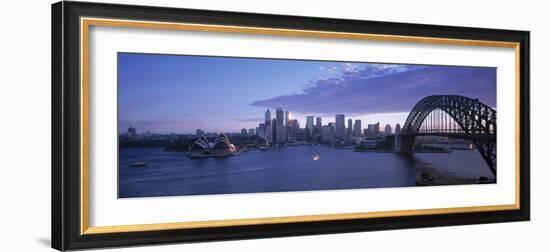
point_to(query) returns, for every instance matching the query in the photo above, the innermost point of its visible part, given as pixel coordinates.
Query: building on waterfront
(273, 130)
(261, 130)
(357, 128)
(397, 129)
(279, 115)
(318, 125)
(340, 124)
(373, 130)
(350, 128)
(287, 117)
(222, 146)
(268, 127)
(131, 133)
(387, 130)
(309, 126)
(251, 132)
(397, 138)
(200, 144)
(279, 126)
(293, 129)
(327, 134)
(243, 132)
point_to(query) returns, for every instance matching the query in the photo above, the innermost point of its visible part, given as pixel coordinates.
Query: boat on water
(316, 157)
(138, 164)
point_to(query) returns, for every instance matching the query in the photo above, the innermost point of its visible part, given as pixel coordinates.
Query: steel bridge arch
(477, 122)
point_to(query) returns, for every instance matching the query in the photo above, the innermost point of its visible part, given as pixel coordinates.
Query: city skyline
(180, 94)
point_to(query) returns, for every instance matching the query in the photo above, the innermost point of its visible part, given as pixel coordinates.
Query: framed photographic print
(179, 125)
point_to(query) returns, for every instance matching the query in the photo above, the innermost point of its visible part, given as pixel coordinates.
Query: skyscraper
(397, 138)
(292, 130)
(327, 134)
(357, 128)
(349, 130)
(318, 124)
(309, 125)
(387, 130)
(267, 117)
(340, 126)
(279, 115)
(268, 128)
(279, 126)
(287, 117)
(261, 130)
(273, 129)
(373, 130)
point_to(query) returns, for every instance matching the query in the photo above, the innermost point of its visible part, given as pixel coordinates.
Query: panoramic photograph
(203, 125)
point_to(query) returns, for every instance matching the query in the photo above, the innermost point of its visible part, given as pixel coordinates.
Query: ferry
(316, 157)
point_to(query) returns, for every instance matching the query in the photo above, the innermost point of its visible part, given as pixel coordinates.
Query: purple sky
(166, 93)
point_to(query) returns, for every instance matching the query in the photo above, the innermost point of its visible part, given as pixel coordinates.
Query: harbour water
(292, 168)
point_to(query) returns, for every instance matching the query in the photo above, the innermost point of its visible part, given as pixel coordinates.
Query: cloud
(385, 88)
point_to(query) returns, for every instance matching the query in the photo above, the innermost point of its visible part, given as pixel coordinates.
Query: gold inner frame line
(85, 24)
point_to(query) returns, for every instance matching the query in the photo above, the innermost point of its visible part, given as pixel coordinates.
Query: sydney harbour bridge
(453, 116)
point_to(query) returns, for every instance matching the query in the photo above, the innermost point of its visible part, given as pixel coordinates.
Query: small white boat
(316, 157)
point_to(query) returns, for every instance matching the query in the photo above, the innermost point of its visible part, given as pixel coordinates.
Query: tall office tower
(251, 132)
(397, 138)
(318, 125)
(387, 130)
(268, 127)
(267, 117)
(340, 126)
(281, 134)
(243, 132)
(397, 129)
(357, 128)
(373, 130)
(279, 115)
(327, 134)
(294, 127)
(309, 125)
(279, 127)
(274, 130)
(350, 129)
(261, 130)
(287, 117)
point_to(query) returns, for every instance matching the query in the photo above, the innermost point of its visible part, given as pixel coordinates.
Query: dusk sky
(179, 94)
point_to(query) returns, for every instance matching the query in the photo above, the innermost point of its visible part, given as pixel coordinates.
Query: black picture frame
(66, 125)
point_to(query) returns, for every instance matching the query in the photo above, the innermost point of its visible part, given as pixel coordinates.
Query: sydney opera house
(220, 148)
